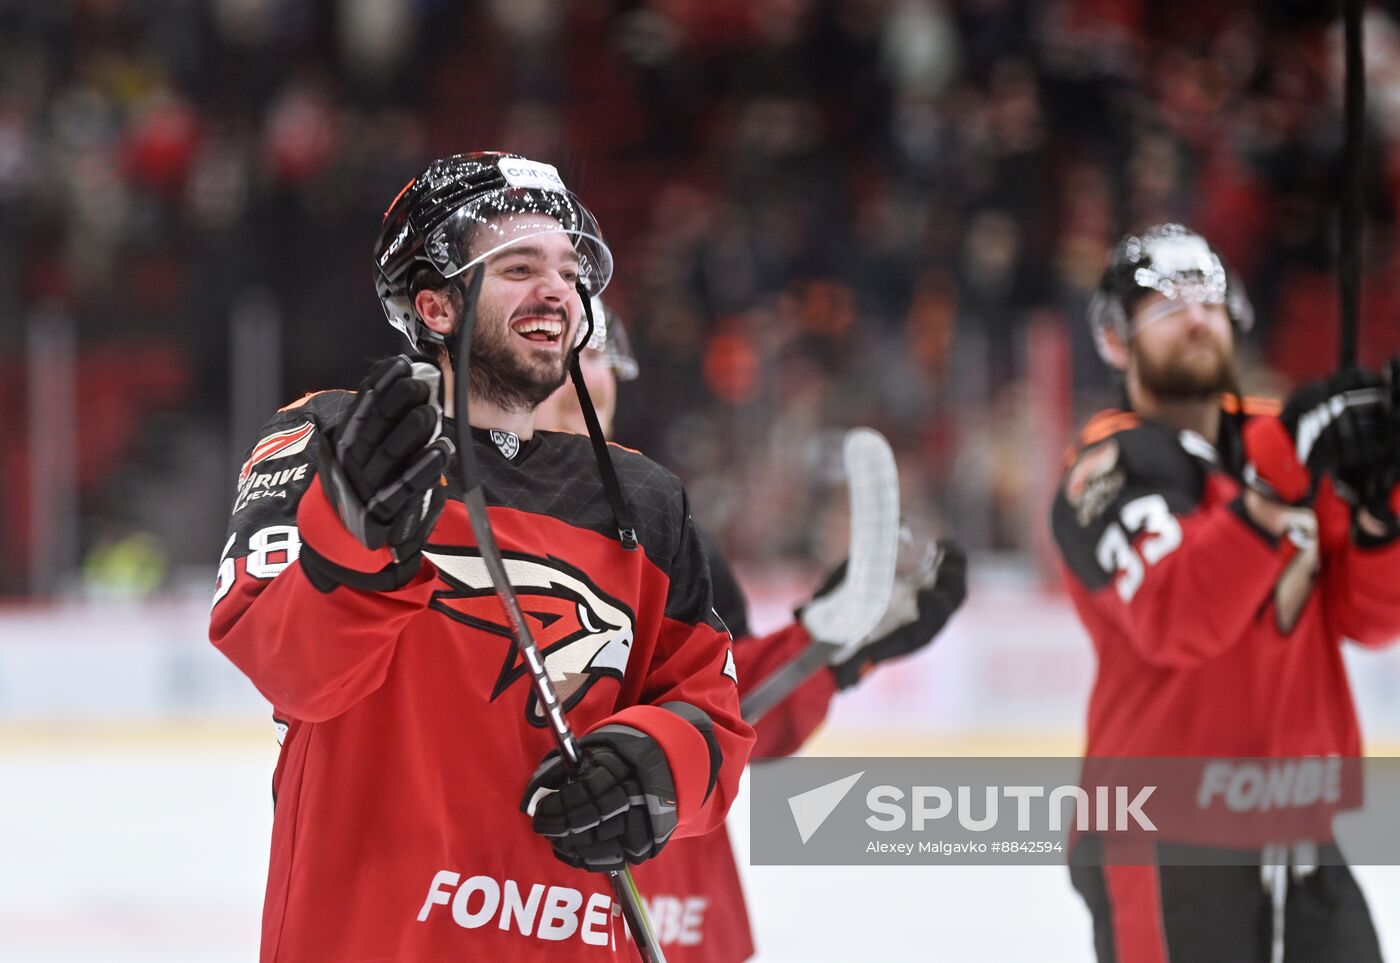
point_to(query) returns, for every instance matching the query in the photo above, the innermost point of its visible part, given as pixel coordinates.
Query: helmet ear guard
(1237, 303)
(1106, 313)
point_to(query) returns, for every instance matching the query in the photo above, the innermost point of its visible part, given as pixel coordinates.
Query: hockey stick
(842, 619)
(1353, 174)
(624, 887)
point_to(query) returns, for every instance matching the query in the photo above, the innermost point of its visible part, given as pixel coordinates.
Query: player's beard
(501, 377)
(1178, 377)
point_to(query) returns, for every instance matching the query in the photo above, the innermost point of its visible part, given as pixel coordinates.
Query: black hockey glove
(621, 808)
(1376, 496)
(381, 469)
(1375, 489)
(921, 604)
(1341, 427)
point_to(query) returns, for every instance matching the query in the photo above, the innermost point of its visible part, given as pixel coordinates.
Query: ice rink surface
(153, 850)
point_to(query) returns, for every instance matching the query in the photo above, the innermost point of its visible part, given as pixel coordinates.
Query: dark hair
(425, 277)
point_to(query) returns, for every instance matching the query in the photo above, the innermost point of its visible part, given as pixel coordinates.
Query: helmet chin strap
(626, 532)
(624, 887)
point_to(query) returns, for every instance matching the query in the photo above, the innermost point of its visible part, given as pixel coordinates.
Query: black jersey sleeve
(1179, 571)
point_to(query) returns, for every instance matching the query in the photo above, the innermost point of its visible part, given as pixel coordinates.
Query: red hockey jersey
(410, 727)
(1213, 639)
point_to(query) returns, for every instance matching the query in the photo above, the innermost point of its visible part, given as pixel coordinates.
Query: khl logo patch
(508, 443)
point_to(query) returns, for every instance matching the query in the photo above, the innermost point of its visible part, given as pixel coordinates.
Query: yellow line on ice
(251, 733)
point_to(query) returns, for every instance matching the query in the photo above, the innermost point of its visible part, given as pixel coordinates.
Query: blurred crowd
(825, 213)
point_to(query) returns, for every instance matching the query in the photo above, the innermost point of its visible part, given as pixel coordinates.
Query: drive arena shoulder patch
(253, 486)
(268, 484)
(1094, 482)
(291, 441)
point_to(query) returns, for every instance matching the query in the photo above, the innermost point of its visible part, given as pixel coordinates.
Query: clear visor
(1183, 295)
(511, 216)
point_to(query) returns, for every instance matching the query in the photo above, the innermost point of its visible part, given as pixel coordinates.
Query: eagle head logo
(583, 634)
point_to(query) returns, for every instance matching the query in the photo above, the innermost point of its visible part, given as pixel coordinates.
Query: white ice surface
(151, 853)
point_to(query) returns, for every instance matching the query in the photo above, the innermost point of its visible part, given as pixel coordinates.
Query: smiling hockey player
(352, 593)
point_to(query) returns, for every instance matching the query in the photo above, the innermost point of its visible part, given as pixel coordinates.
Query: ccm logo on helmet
(394, 245)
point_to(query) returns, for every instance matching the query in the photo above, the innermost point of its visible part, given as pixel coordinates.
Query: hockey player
(1217, 570)
(694, 891)
(419, 812)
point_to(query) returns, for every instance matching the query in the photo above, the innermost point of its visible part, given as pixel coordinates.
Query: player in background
(1216, 565)
(694, 891)
(419, 812)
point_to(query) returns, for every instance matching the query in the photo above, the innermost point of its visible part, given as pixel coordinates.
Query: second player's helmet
(463, 209)
(1173, 261)
(610, 337)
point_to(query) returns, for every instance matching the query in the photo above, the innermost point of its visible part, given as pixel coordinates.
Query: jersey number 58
(270, 550)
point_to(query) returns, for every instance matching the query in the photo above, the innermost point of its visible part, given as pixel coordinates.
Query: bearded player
(419, 812)
(1218, 550)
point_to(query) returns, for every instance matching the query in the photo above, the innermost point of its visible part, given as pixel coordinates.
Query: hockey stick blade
(843, 618)
(846, 615)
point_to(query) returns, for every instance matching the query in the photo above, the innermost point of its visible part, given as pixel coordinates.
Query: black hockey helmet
(455, 215)
(1172, 260)
(610, 338)
(466, 207)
